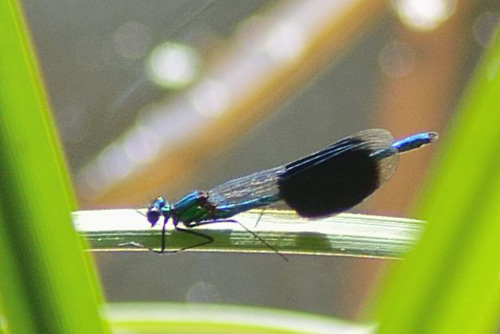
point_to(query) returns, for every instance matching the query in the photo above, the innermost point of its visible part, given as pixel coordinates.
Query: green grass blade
(189, 318)
(46, 282)
(450, 282)
(342, 235)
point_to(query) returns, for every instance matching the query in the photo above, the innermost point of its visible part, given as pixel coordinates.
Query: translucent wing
(259, 188)
(262, 188)
(380, 139)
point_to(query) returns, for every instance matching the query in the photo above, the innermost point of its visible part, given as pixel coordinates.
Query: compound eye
(159, 202)
(153, 215)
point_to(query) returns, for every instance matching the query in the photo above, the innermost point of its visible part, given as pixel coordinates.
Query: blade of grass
(341, 235)
(46, 283)
(450, 283)
(207, 318)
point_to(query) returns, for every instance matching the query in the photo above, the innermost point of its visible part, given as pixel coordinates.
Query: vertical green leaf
(450, 282)
(46, 282)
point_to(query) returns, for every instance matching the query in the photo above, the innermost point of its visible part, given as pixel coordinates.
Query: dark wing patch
(339, 177)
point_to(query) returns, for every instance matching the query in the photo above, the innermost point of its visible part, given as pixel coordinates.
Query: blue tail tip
(433, 136)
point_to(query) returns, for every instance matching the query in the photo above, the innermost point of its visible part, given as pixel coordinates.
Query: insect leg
(255, 235)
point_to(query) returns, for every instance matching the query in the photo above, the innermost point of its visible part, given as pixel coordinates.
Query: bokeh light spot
(397, 59)
(173, 65)
(424, 15)
(484, 28)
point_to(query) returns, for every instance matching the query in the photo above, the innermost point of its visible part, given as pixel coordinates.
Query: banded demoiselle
(324, 183)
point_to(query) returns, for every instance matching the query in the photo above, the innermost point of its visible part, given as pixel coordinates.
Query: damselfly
(324, 183)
